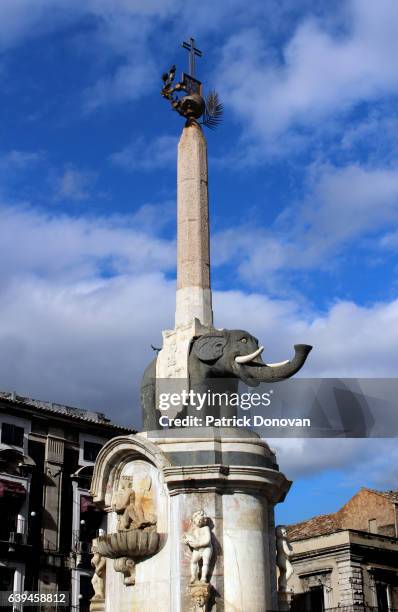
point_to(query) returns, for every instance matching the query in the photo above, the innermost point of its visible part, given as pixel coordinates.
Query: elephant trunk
(256, 372)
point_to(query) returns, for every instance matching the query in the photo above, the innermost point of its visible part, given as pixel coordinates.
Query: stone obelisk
(193, 299)
(194, 315)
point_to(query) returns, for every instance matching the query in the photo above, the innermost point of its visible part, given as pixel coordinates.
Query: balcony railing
(14, 531)
(80, 546)
(18, 538)
(359, 608)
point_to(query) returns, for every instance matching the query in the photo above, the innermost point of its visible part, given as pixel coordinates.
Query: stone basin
(132, 543)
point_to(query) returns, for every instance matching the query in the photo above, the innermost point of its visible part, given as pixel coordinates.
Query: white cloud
(74, 184)
(389, 240)
(121, 35)
(30, 18)
(349, 201)
(84, 344)
(342, 206)
(323, 69)
(19, 160)
(122, 86)
(81, 302)
(81, 248)
(378, 132)
(25, 19)
(143, 155)
(154, 217)
(369, 460)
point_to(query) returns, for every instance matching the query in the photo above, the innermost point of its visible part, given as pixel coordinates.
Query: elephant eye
(244, 340)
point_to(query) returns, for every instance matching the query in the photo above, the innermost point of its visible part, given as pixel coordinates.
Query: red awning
(10, 489)
(87, 504)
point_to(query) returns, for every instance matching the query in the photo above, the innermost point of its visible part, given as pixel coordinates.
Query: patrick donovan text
(235, 421)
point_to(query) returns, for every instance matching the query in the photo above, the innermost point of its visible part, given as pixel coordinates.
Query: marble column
(193, 252)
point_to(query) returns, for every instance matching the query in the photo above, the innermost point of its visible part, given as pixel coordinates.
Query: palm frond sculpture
(214, 109)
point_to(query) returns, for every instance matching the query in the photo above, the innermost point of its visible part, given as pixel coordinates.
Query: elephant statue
(219, 360)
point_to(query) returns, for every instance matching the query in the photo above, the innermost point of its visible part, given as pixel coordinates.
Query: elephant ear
(209, 347)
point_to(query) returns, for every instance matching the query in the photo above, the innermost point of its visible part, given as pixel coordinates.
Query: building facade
(47, 517)
(348, 560)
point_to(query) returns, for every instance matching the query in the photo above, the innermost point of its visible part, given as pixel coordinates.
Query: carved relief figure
(134, 505)
(198, 538)
(127, 567)
(98, 562)
(284, 552)
(200, 594)
(136, 538)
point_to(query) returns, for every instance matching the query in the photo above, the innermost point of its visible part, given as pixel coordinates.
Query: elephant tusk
(247, 358)
(277, 365)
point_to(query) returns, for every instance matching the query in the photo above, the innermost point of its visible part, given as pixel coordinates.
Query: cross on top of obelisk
(190, 47)
(191, 84)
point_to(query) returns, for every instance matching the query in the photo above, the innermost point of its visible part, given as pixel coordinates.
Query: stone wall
(365, 506)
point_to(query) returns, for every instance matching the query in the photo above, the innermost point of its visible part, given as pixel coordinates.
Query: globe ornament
(192, 106)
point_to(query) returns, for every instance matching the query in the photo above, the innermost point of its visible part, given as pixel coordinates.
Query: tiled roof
(96, 418)
(391, 495)
(316, 526)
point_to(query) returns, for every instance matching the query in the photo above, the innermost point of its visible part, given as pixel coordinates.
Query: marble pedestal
(229, 474)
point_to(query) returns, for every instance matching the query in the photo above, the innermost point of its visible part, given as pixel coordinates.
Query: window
(91, 450)
(316, 599)
(382, 597)
(372, 525)
(312, 600)
(86, 593)
(12, 434)
(40, 426)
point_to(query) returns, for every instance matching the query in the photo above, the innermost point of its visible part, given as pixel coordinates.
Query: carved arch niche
(117, 458)
(128, 483)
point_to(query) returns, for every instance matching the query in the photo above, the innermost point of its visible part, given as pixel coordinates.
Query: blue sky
(303, 197)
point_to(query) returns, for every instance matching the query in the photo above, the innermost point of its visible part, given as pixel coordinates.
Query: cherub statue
(98, 562)
(284, 552)
(198, 538)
